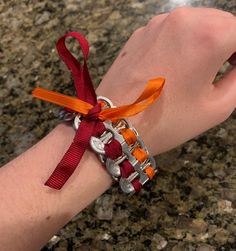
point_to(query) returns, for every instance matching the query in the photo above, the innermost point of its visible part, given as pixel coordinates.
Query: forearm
(29, 207)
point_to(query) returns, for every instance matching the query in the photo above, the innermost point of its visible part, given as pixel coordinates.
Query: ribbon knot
(93, 113)
(86, 104)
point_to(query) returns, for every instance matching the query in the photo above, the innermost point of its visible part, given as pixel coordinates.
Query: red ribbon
(89, 124)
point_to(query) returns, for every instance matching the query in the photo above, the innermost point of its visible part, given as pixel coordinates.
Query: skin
(187, 47)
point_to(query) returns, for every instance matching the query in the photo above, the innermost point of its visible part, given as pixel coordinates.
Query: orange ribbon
(150, 94)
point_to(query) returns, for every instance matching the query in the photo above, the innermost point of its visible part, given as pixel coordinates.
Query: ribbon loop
(82, 81)
(71, 62)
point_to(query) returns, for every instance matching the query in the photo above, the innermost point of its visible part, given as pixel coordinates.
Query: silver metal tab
(121, 124)
(113, 166)
(97, 145)
(126, 186)
(125, 148)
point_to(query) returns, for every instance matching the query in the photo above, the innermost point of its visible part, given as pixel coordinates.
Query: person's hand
(186, 46)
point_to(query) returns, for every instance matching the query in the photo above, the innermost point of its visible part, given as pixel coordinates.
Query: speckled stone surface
(192, 203)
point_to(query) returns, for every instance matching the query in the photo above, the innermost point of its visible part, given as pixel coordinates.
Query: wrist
(127, 96)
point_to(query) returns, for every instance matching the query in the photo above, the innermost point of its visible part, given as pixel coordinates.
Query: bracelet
(131, 165)
(101, 125)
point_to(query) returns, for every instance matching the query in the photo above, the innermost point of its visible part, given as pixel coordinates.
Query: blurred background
(191, 205)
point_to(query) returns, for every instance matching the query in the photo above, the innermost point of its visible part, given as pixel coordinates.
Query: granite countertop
(191, 205)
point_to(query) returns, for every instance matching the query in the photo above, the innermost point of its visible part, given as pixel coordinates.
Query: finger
(225, 90)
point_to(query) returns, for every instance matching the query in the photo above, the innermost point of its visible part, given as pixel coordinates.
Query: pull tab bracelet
(101, 125)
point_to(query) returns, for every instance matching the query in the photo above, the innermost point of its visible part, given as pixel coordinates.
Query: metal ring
(77, 121)
(106, 100)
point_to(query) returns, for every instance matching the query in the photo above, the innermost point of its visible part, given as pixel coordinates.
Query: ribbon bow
(87, 105)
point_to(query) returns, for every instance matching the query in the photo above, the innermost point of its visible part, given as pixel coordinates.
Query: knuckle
(179, 19)
(204, 32)
(138, 31)
(179, 14)
(154, 21)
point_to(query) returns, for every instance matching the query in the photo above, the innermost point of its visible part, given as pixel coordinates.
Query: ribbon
(86, 104)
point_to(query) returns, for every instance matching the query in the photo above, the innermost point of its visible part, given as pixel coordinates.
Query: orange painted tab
(129, 135)
(150, 172)
(139, 154)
